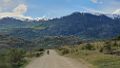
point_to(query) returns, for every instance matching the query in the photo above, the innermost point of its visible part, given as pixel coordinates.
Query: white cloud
(16, 12)
(91, 10)
(20, 9)
(13, 8)
(107, 6)
(94, 1)
(0, 9)
(9, 4)
(97, 1)
(9, 14)
(7, 0)
(116, 11)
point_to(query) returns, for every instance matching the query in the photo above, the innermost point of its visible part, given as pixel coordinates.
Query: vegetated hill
(9, 24)
(57, 41)
(85, 25)
(7, 41)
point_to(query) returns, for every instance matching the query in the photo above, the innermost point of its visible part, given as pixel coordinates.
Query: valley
(59, 33)
(72, 41)
(85, 25)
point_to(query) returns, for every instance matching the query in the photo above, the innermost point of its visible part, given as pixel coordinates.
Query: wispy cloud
(108, 6)
(91, 10)
(13, 8)
(96, 1)
(16, 12)
(116, 11)
(20, 9)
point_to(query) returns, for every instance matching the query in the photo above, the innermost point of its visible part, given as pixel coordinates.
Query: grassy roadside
(98, 60)
(18, 58)
(31, 55)
(92, 55)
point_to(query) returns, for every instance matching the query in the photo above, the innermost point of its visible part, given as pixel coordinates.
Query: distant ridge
(84, 25)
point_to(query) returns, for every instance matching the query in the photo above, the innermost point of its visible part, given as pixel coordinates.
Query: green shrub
(16, 57)
(64, 51)
(12, 58)
(38, 54)
(107, 48)
(3, 62)
(88, 47)
(41, 49)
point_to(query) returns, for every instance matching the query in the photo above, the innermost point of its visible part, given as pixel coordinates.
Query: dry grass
(94, 57)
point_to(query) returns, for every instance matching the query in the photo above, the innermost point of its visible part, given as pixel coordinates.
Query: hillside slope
(84, 25)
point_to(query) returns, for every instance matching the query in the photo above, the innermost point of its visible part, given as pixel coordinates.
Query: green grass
(106, 61)
(98, 60)
(17, 58)
(39, 27)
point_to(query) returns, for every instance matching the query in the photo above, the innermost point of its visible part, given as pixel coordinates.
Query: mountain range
(84, 25)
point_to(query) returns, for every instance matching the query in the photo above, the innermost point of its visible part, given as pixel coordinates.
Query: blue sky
(56, 8)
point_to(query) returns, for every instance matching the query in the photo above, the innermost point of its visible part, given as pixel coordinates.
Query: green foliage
(111, 47)
(88, 46)
(35, 53)
(117, 38)
(107, 48)
(16, 57)
(41, 49)
(38, 54)
(3, 62)
(13, 58)
(107, 61)
(56, 41)
(14, 51)
(64, 51)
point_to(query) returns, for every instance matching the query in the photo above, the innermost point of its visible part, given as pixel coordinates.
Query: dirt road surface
(53, 60)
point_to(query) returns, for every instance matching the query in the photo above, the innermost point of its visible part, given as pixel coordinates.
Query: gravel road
(53, 60)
